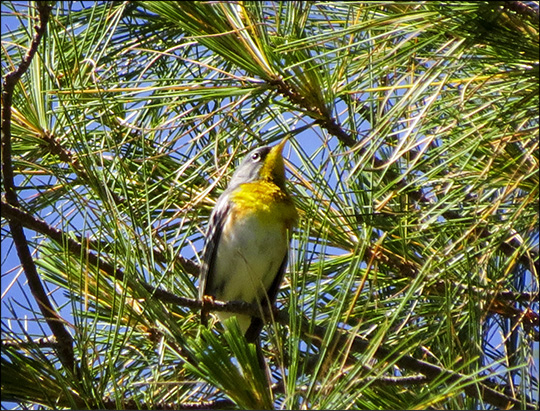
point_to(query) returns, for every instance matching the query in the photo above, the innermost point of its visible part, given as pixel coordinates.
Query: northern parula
(248, 237)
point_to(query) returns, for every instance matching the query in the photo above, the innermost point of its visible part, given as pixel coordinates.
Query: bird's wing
(215, 227)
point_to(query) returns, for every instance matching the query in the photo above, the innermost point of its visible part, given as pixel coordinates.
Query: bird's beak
(278, 148)
(274, 167)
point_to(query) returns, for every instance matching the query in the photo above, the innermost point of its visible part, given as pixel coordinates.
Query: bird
(248, 238)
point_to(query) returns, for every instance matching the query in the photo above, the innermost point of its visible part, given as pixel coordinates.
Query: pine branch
(53, 319)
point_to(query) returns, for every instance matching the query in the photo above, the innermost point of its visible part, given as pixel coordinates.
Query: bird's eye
(255, 156)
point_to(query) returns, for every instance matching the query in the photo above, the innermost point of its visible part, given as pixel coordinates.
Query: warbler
(248, 237)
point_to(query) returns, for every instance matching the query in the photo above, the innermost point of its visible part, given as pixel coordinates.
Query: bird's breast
(253, 242)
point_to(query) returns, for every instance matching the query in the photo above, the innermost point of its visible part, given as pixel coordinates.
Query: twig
(521, 7)
(53, 319)
(432, 372)
(323, 118)
(40, 342)
(201, 405)
(76, 246)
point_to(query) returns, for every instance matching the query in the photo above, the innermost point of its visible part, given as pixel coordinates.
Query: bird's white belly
(247, 262)
(248, 258)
